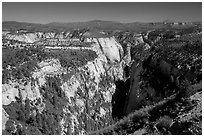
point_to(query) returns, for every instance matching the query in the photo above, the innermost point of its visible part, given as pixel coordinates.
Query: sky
(124, 12)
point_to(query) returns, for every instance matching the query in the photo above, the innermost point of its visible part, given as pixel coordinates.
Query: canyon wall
(74, 103)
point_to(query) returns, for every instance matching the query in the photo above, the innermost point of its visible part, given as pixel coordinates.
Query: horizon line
(102, 21)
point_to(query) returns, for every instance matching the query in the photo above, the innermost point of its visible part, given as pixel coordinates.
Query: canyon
(80, 82)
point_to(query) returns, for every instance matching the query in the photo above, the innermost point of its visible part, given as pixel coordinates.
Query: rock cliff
(80, 101)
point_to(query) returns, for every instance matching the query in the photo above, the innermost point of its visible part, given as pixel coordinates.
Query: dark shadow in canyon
(119, 98)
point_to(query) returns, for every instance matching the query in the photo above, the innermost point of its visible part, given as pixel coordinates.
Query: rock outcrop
(85, 97)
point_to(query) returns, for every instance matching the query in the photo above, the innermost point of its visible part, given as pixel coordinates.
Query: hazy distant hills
(14, 24)
(94, 24)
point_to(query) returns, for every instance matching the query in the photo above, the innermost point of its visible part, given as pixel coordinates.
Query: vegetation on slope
(31, 119)
(19, 63)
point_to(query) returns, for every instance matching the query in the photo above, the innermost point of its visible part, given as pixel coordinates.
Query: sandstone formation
(83, 82)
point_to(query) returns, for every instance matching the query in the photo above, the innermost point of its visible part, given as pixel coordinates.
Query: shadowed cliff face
(151, 80)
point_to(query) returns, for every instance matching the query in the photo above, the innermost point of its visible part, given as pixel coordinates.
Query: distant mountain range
(94, 24)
